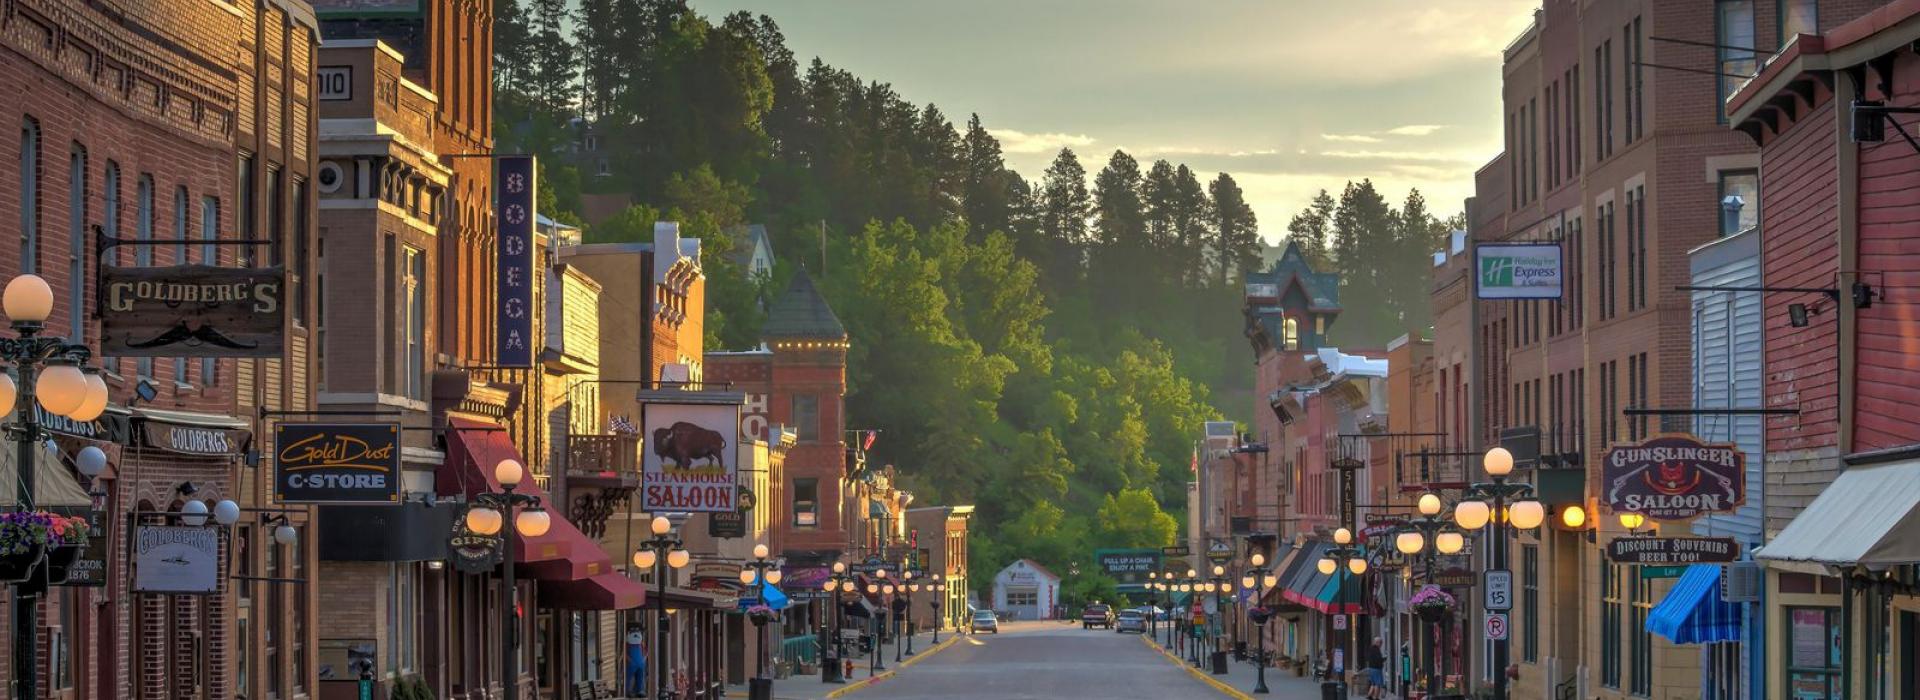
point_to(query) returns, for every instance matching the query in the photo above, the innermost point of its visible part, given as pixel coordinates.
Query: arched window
(143, 253)
(1291, 329)
(77, 248)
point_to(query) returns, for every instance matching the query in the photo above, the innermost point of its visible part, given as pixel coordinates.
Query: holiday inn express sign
(1518, 270)
(1674, 477)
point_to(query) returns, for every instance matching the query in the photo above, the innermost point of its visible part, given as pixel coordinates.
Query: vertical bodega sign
(514, 190)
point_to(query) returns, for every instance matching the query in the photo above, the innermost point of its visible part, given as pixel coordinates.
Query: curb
(1216, 683)
(860, 685)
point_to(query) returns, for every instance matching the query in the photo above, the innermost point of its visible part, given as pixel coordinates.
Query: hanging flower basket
(23, 541)
(1260, 615)
(761, 615)
(60, 561)
(1433, 603)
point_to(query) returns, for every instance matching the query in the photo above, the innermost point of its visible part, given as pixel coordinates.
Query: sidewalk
(810, 687)
(1242, 676)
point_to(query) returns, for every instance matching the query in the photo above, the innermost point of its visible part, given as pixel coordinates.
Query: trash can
(830, 667)
(1333, 690)
(1219, 663)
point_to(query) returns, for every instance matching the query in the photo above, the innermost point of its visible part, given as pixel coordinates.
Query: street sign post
(1496, 626)
(1499, 584)
(1340, 622)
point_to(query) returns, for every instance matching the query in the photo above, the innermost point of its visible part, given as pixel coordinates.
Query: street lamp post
(662, 552)
(912, 588)
(1191, 586)
(830, 652)
(490, 513)
(879, 575)
(1259, 579)
(1525, 514)
(1218, 584)
(939, 589)
(63, 389)
(1430, 526)
(757, 573)
(1343, 559)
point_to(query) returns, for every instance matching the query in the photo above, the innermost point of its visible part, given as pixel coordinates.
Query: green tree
(1120, 256)
(1309, 229)
(1236, 232)
(1065, 206)
(984, 185)
(1132, 518)
(552, 67)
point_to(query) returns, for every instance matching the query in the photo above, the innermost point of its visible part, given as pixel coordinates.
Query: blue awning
(1693, 613)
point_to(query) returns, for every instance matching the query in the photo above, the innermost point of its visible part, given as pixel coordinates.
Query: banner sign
(1128, 567)
(175, 559)
(192, 311)
(91, 568)
(686, 466)
(727, 525)
(194, 439)
(337, 463)
(1674, 477)
(473, 553)
(1518, 270)
(1673, 550)
(514, 276)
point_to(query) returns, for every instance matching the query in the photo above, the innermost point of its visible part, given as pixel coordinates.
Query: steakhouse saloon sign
(1674, 477)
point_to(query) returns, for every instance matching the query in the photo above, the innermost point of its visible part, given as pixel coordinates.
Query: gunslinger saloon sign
(191, 311)
(1674, 477)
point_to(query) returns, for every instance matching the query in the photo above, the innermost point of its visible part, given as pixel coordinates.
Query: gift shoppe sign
(688, 464)
(1674, 477)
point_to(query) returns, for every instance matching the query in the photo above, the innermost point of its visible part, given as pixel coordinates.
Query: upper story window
(1798, 17)
(1290, 328)
(806, 417)
(30, 196)
(1733, 31)
(1739, 201)
(806, 502)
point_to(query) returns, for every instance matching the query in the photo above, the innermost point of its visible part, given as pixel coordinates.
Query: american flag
(622, 425)
(1194, 466)
(866, 443)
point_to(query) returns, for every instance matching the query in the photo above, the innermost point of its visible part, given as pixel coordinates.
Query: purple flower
(1432, 596)
(21, 531)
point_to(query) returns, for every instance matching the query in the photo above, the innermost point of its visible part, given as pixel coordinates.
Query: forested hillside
(1050, 346)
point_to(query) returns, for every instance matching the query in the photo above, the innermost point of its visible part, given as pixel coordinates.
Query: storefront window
(806, 502)
(1813, 653)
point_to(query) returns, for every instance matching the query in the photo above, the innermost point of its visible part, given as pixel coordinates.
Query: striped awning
(1693, 613)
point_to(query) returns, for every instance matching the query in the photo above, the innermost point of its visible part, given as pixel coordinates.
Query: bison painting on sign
(688, 461)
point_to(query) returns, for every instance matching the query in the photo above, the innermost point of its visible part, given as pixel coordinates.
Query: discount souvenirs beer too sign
(1674, 477)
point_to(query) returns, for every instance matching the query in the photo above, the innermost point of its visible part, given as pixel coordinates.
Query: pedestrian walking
(1376, 663)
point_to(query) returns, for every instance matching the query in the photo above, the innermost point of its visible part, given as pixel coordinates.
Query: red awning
(563, 553)
(599, 592)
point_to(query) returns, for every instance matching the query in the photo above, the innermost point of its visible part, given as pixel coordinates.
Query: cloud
(1012, 141)
(1351, 138)
(1420, 156)
(1415, 129)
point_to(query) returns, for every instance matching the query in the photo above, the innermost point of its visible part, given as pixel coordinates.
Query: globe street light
(662, 553)
(939, 590)
(1258, 579)
(1487, 505)
(757, 573)
(830, 653)
(51, 377)
(487, 516)
(1430, 534)
(1217, 584)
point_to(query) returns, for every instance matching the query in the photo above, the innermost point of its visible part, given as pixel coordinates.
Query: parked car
(1130, 621)
(985, 621)
(1096, 615)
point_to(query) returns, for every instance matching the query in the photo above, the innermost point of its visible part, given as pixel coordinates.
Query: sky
(1289, 96)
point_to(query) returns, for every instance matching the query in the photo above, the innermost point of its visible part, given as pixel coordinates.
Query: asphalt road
(1047, 660)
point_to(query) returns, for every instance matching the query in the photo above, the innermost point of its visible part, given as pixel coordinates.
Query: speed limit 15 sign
(1499, 590)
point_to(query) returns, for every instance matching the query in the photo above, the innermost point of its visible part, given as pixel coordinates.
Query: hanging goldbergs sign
(1518, 270)
(192, 311)
(1674, 477)
(687, 463)
(337, 463)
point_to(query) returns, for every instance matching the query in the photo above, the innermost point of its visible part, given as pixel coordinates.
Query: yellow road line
(1230, 691)
(896, 667)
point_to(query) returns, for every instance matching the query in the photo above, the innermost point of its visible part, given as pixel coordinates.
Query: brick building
(169, 120)
(1840, 551)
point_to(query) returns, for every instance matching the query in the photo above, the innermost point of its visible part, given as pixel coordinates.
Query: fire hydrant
(848, 665)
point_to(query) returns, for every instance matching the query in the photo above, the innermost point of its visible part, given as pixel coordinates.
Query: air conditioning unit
(1742, 582)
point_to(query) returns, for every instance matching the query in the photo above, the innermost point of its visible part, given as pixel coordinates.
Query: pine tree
(1191, 214)
(983, 185)
(1159, 195)
(552, 68)
(1236, 232)
(511, 36)
(598, 35)
(1121, 252)
(1363, 234)
(1309, 229)
(1065, 206)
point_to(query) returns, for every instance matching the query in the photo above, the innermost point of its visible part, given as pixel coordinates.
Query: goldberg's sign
(191, 311)
(1672, 550)
(194, 440)
(514, 275)
(1674, 477)
(1518, 270)
(173, 559)
(685, 467)
(337, 463)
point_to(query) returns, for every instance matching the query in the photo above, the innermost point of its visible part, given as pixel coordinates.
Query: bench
(593, 690)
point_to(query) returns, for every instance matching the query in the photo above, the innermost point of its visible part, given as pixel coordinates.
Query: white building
(1026, 591)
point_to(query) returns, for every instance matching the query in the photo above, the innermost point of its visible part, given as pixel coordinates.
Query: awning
(1307, 582)
(563, 553)
(597, 592)
(690, 599)
(1693, 613)
(55, 488)
(1338, 598)
(860, 607)
(1869, 515)
(1288, 567)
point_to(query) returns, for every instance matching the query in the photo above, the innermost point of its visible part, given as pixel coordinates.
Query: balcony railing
(610, 457)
